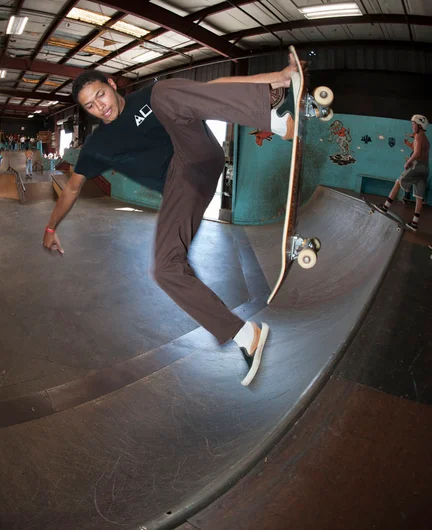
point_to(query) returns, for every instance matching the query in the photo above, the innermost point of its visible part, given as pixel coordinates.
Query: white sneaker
(253, 358)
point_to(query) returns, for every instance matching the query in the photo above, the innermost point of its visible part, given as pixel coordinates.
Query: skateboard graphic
(294, 245)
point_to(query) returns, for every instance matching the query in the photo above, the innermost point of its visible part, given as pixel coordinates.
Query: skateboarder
(158, 137)
(29, 162)
(416, 171)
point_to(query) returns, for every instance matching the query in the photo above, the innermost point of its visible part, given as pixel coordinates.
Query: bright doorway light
(65, 140)
(219, 129)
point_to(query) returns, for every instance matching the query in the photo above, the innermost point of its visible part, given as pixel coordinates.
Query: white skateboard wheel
(323, 96)
(328, 117)
(307, 258)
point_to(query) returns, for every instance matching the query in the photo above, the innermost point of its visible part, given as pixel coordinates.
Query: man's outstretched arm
(64, 203)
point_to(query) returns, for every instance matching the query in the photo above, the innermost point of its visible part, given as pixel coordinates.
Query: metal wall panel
(366, 57)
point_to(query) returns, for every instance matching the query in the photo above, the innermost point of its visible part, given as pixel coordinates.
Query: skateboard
(390, 215)
(295, 246)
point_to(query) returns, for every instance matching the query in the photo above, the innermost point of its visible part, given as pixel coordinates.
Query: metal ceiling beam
(15, 11)
(50, 30)
(418, 20)
(302, 24)
(42, 67)
(34, 95)
(23, 109)
(53, 26)
(299, 46)
(92, 36)
(172, 22)
(199, 15)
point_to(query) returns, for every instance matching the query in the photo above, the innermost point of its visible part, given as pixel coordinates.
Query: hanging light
(346, 9)
(16, 25)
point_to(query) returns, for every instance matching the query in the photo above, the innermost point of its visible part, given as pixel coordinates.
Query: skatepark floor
(358, 457)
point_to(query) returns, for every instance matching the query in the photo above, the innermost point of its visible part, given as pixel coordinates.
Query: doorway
(219, 129)
(65, 140)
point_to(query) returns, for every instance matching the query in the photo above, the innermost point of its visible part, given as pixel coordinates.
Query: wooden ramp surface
(8, 188)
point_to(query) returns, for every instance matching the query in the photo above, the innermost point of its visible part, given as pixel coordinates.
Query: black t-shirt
(135, 144)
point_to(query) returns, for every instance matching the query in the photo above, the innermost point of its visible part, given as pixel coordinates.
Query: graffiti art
(260, 136)
(342, 137)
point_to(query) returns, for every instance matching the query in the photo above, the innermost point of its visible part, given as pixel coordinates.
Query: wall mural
(342, 137)
(260, 136)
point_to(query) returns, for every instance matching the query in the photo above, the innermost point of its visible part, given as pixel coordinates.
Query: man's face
(415, 127)
(101, 100)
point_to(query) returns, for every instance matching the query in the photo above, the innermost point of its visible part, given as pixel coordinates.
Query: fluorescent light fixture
(146, 56)
(347, 9)
(87, 16)
(16, 25)
(130, 29)
(30, 116)
(3, 73)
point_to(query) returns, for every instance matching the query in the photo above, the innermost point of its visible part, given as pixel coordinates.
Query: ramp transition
(150, 441)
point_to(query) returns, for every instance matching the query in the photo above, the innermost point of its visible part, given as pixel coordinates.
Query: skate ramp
(150, 441)
(8, 189)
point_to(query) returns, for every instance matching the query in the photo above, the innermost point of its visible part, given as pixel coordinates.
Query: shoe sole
(379, 209)
(411, 228)
(257, 356)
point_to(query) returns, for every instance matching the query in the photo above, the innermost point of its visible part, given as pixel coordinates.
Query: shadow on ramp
(148, 447)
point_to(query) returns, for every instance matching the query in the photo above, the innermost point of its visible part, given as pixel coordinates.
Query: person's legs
(178, 102)
(419, 191)
(383, 208)
(185, 200)
(182, 106)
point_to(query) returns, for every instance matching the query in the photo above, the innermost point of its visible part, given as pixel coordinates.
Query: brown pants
(193, 174)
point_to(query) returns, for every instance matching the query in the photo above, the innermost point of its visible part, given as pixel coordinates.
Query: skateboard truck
(304, 250)
(318, 104)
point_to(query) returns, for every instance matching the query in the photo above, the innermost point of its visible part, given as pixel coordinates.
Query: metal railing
(19, 184)
(37, 166)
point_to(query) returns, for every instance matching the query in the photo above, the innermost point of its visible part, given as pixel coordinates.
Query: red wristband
(49, 230)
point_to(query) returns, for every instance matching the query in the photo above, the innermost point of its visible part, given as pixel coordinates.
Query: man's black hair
(84, 79)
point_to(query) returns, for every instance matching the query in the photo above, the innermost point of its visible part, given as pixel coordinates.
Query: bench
(363, 178)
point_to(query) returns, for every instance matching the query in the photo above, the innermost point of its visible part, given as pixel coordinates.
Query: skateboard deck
(294, 246)
(390, 215)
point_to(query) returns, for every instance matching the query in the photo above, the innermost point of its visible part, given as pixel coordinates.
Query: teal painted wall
(375, 158)
(261, 179)
(126, 190)
(262, 172)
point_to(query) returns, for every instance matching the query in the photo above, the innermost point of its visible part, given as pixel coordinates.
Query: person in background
(29, 163)
(416, 171)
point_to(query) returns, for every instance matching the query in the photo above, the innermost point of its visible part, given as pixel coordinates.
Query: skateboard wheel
(323, 96)
(328, 117)
(316, 243)
(307, 258)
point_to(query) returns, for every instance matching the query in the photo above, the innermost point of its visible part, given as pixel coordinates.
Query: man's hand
(407, 165)
(52, 243)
